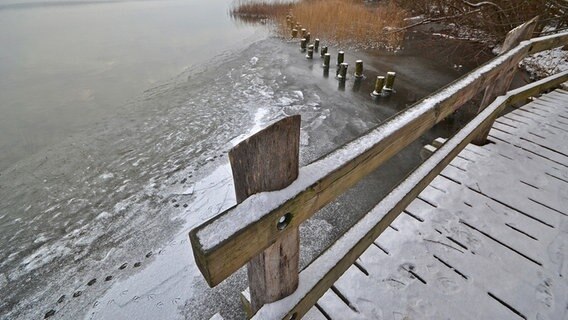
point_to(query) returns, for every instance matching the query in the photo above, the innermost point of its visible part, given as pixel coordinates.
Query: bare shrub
(494, 17)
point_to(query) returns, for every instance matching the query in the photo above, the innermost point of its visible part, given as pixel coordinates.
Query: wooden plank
(244, 236)
(272, 274)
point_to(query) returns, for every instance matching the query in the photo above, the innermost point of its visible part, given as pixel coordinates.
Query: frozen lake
(116, 121)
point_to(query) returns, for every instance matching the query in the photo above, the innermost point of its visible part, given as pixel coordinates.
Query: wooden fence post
(268, 161)
(503, 81)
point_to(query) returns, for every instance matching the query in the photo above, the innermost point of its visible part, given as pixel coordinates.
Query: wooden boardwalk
(473, 232)
(487, 239)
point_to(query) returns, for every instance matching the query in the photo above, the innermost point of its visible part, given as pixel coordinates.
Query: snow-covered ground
(546, 63)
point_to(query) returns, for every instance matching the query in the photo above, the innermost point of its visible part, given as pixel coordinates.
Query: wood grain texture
(226, 256)
(269, 160)
(273, 274)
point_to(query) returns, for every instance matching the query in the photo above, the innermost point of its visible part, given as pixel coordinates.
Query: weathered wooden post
(304, 32)
(268, 161)
(358, 69)
(357, 85)
(326, 60)
(308, 36)
(342, 74)
(310, 54)
(316, 45)
(323, 51)
(379, 86)
(504, 79)
(303, 43)
(340, 57)
(389, 82)
(294, 33)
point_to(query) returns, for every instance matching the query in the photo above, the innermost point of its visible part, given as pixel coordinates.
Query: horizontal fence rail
(322, 273)
(227, 242)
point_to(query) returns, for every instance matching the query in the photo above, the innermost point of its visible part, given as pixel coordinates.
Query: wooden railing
(262, 230)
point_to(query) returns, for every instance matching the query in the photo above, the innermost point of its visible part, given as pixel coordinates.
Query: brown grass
(342, 22)
(260, 9)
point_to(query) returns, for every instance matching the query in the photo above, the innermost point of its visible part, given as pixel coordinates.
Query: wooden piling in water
(294, 33)
(342, 74)
(323, 51)
(389, 82)
(316, 45)
(310, 54)
(340, 57)
(358, 69)
(326, 59)
(379, 86)
(303, 44)
(308, 36)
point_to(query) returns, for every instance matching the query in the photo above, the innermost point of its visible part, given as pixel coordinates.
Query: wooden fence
(275, 196)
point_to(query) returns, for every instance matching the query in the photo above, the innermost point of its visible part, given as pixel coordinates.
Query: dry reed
(341, 22)
(260, 9)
